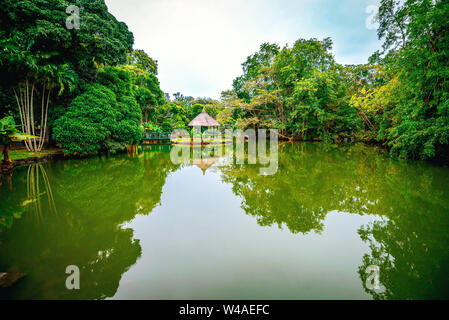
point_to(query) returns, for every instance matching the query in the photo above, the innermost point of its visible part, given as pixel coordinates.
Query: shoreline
(60, 155)
(5, 169)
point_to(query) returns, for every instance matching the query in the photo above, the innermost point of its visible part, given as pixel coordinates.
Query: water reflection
(412, 253)
(84, 206)
(37, 174)
(409, 244)
(94, 198)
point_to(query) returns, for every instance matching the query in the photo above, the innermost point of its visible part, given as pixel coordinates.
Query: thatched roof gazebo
(203, 120)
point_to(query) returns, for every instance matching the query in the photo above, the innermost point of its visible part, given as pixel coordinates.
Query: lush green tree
(411, 111)
(224, 117)
(106, 117)
(40, 56)
(301, 61)
(39, 77)
(299, 90)
(399, 99)
(173, 116)
(180, 98)
(251, 67)
(423, 113)
(393, 19)
(264, 107)
(40, 26)
(376, 107)
(140, 59)
(320, 108)
(146, 90)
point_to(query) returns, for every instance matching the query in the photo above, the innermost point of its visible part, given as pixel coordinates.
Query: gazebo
(203, 120)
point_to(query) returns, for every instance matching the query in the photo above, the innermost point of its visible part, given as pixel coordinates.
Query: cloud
(200, 44)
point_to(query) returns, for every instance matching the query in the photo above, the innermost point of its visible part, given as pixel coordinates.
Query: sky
(201, 44)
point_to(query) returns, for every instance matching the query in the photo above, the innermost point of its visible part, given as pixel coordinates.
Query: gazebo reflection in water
(204, 164)
(203, 120)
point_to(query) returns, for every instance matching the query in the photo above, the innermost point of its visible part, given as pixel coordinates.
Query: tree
(422, 112)
(253, 64)
(224, 117)
(40, 77)
(179, 97)
(9, 134)
(301, 91)
(40, 54)
(106, 117)
(393, 20)
(146, 90)
(143, 61)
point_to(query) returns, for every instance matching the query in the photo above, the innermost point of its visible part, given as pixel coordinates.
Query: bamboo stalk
(45, 121)
(42, 117)
(24, 128)
(32, 117)
(27, 107)
(27, 116)
(21, 116)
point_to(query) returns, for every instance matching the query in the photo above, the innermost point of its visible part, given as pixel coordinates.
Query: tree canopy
(399, 99)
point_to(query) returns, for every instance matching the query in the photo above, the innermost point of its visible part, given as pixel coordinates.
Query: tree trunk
(25, 101)
(6, 159)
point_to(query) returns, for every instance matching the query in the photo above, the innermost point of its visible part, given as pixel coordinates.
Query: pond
(328, 224)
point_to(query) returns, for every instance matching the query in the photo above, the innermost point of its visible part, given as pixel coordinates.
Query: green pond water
(140, 227)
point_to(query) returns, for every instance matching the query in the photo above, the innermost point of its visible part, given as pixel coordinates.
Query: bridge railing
(156, 136)
(167, 135)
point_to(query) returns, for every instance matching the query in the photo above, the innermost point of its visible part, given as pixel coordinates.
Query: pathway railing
(149, 136)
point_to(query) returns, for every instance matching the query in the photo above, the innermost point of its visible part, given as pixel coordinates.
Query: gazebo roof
(203, 120)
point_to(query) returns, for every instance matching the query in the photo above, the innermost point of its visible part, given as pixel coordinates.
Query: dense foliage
(400, 99)
(106, 117)
(406, 238)
(97, 93)
(38, 26)
(46, 63)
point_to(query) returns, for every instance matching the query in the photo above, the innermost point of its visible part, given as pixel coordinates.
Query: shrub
(99, 121)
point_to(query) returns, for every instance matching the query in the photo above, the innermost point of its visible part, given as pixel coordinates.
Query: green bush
(104, 118)
(151, 127)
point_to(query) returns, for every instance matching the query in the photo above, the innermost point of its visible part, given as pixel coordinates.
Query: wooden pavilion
(203, 120)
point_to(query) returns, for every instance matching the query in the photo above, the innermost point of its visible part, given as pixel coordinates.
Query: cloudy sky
(201, 44)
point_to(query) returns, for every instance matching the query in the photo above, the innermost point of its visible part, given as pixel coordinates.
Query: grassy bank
(24, 154)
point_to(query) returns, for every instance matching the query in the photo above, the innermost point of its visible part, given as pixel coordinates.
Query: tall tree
(142, 60)
(39, 52)
(422, 66)
(253, 64)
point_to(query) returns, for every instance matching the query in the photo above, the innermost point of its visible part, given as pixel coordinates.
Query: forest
(88, 90)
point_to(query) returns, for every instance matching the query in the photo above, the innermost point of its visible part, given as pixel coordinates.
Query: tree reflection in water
(95, 197)
(37, 174)
(409, 243)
